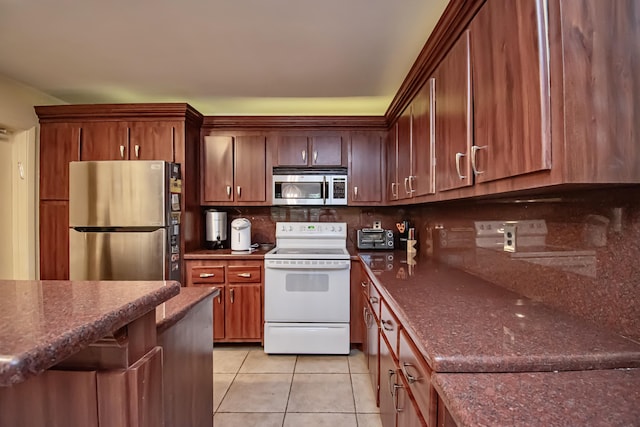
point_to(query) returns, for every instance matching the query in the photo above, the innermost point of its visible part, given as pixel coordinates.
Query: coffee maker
(216, 229)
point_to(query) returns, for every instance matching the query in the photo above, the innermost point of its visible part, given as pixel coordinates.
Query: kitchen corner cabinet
(238, 310)
(234, 170)
(68, 133)
(365, 166)
(357, 329)
(322, 150)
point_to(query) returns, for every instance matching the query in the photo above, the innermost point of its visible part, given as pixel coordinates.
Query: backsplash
(578, 252)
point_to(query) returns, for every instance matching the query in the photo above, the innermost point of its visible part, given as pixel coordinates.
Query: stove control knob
(290, 228)
(340, 228)
(333, 229)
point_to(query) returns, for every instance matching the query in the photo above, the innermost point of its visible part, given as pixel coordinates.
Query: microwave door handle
(325, 194)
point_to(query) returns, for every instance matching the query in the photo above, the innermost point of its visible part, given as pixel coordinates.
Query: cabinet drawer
(390, 327)
(374, 300)
(206, 275)
(245, 274)
(418, 376)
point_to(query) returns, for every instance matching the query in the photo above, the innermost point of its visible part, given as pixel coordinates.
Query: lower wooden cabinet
(238, 310)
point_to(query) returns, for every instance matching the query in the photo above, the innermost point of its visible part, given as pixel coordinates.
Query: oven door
(299, 190)
(299, 292)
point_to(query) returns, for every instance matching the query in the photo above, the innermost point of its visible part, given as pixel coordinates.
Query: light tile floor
(251, 388)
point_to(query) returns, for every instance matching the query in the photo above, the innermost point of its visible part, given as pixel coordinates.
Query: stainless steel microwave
(309, 189)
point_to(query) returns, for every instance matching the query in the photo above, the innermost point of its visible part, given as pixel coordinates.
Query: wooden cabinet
(358, 281)
(511, 105)
(416, 375)
(234, 170)
(365, 167)
(322, 150)
(453, 118)
(412, 172)
(68, 133)
(238, 310)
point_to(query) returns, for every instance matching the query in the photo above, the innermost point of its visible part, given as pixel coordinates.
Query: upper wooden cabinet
(453, 120)
(511, 105)
(365, 166)
(308, 151)
(59, 145)
(234, 170)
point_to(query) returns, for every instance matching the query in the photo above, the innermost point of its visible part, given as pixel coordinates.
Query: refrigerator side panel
(118, 194)
(136, 255)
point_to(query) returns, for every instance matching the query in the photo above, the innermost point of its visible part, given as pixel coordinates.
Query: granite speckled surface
(171, 311)
(462, 323)
(44, 322)
(575, 398)
(224, 254)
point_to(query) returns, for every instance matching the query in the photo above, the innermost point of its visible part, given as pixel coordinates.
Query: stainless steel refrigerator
(124, 220)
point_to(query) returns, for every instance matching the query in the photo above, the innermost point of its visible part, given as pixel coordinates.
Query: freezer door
(119, 194)
(134, 255)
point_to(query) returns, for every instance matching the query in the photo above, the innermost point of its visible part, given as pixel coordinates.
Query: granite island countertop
(171, 311)
(44, 322)
(462, 323)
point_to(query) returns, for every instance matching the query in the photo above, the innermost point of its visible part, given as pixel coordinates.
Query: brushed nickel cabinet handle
(406, 185)
(245, 275)
(315, 157)
(122, 151)
(373, 300)
(396, 403)
(412, 178)
(474, 154)
(363, 284)
(355, 192)
(304, 155)
(231, 295)
(228, 191)
(394, 189)
(207, 275)
(458, 157)
(137, 151)
(412, 379)
(391, 373)
(220, 298)
(238, 190)
(387, 325)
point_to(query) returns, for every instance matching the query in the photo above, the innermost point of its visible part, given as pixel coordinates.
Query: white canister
(240, 234)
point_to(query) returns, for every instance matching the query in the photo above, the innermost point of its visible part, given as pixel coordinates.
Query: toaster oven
(375, 238)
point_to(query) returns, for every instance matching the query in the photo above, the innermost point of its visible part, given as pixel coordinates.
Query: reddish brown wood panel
(408, 412)
(250, 169)
(292, 150)
(365, 180)
(219, 314)
(104, 141)
(44, 400)
(58, 146)
(54, 240)
(413, 365)
(392, 163)
(373, 350)
(453, 118)
(388, 377)
(423, 168)
(152, 140)
(243, 312)
(357, 304)
(404, 153)
(326, 150)
(510, 89)
(444, 416)
(601, 41)
(217, 169)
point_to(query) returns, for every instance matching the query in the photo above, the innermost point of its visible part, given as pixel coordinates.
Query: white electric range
(306, 289)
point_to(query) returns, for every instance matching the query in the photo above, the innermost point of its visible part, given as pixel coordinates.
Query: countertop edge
(183, 304)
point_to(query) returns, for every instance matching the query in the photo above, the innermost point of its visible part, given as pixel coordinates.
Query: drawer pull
(206, 275)
(245, 275)
(410, 377)
(396, 402)
(391, 373)
(387, 325)
(363, 284)
(231, 295)
(373, 300)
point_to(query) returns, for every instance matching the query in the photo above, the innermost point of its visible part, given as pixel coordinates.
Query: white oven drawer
(306, 295)
(316, 338)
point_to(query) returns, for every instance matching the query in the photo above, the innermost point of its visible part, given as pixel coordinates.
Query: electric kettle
(241, 235)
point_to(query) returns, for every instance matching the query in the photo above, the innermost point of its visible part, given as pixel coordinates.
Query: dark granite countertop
(171, 311)
(575, 398)
(224, 254)
(462, 323)
(44, 322)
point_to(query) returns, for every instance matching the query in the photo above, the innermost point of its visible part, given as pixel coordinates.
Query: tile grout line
(286, 407)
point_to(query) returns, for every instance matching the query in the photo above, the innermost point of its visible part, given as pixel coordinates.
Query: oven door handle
(308, 266)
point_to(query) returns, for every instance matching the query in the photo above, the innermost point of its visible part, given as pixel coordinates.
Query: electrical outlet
(510, 236)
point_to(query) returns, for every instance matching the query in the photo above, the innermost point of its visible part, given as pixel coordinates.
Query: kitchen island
(88, 353)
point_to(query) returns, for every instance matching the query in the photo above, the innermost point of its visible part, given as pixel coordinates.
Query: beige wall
(19, 179)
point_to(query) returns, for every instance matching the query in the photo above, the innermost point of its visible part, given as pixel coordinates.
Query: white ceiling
(232, 57)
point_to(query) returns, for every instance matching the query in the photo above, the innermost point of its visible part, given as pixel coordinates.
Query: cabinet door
(453, 118)
(388, 378)
(292, 151)
(372, 350)
(392, 162)
(250, 169)
(54, 240)
(104, 141)
(217, 169)
(152, 140)
(510, 97)
(243, 312)
(365, 168)
(58, 146)
(422, 180)
(408, 413)
(356, 303)
(404, 154)
(326, 151)
(219, 314)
